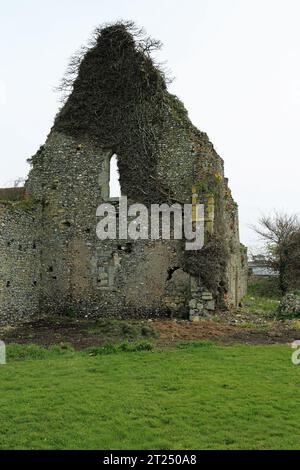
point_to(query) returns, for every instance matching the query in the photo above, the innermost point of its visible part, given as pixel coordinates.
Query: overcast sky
(236, 65)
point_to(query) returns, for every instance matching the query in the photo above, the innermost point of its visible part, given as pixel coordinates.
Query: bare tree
(281, 234)
(294, 265)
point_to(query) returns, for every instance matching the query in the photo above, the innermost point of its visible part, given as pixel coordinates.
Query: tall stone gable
(52, 260)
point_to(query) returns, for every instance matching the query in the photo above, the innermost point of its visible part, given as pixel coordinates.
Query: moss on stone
(209, 265)
(27, 204)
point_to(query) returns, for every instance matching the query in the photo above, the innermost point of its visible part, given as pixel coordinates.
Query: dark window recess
(54, 277)
(127, 248)
(20, 248)
(88, 230)
(8, 243)
(34, 246)
(50, 269)
(67, 223)
(8, 284)
(34, 283)
(171, 271)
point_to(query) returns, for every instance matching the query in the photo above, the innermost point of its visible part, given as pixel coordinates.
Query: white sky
(236, 65)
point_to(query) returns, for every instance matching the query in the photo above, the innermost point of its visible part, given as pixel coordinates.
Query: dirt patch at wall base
(163, 333)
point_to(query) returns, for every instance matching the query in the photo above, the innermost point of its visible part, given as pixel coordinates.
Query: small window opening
(8, 284)
(114, 175)
(171, 271)
(127, 248)
(66, 223)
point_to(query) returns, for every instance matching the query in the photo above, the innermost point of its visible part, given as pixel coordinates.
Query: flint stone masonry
(52, 260)
(20, 265)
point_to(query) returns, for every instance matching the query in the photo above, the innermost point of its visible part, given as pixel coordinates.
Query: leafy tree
(281, 234)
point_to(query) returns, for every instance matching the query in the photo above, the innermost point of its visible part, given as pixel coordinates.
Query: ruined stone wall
(20, 264)
(119, 103)
(70, 179)
(63, 267)
(237, 268)
(188, 159)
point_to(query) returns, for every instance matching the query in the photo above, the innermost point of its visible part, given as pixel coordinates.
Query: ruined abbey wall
(70, 180)
(53, 260)
(20, 264)
(55, 263)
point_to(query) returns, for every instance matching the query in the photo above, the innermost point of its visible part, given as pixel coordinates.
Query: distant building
(258, 266)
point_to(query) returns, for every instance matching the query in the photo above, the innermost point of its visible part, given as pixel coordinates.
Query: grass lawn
(196, 396)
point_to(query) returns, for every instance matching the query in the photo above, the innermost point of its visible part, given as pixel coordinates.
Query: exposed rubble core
(118, 104)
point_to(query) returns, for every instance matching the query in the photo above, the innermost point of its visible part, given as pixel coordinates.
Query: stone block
(206, 296)
(103, 276)
(210, 305)
(194, 316)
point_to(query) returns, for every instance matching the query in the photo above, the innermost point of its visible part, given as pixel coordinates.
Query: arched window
(114, 183)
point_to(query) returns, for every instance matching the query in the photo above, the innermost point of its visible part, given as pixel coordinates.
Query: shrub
(134, 347)
(130, 331)
(289, 306)
(110, 348)
(22, 352)
(107, 348)
(70, 313)
(264, 287)
(196, 345)
(149, 332)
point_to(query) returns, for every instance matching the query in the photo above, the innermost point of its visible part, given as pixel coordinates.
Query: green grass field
(197, 396)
